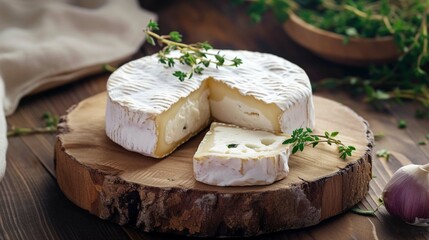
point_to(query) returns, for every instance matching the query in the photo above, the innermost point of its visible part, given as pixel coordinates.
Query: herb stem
(362, 14)
(192, 55)
(368, 212)
(51, 123)
(411, 96)
(425, 40)
(163, 39)
(388, 25)
(27, 131)
(358, 12)
(328, 140)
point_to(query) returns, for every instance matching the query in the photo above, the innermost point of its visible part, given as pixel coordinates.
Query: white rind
(226, 171)
(142, 89)
(135, 131)
(294, 117)
(216, 164)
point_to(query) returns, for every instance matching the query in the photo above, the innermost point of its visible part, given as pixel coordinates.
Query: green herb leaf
(351, 32)
(378, 136)
(232, 145)
(383, 153)
(384, 8)
(205, 45)
(363, 212)
(220, 60)
(170, 62)
(402, 124)
(150, 40)
(236, 62)
(295, 149)
(198, 70)
(152, 25)
(289, 141)
(176, 36)
(108, 68)
(180, 75)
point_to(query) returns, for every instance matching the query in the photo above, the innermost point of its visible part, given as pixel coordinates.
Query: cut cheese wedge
(234, 156)
(151, 112)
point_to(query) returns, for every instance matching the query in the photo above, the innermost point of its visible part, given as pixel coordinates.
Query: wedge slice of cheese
(151, 112)
(234, 156)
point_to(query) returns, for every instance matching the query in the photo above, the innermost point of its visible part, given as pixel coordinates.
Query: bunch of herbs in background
(405, 20)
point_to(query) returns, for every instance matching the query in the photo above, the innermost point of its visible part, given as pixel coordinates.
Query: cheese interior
(181, 121)
(233, 141)
(214, 98)
(234, 156)
(229, 106)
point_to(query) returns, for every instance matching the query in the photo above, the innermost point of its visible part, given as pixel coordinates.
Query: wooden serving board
(162, 195)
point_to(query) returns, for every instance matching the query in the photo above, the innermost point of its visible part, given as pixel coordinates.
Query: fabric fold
(3, 135)
(45, 43)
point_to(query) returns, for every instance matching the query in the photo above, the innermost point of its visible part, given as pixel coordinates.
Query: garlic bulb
(406, 195)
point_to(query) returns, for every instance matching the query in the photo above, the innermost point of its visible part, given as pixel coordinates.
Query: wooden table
(33, 207)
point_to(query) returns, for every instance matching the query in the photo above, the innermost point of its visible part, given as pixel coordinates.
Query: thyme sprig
(193, 55)
(302, 137)
(51, 123)
(384, 153)
(376, 93)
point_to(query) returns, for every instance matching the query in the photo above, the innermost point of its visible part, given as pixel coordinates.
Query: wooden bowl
(329, 45)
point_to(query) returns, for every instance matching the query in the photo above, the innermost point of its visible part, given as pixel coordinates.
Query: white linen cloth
(49, 42)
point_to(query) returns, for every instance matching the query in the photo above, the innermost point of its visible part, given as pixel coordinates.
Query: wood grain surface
(162, 195)
(33, 207)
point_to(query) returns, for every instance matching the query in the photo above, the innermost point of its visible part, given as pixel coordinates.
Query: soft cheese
(157, 132)
(149, 111)
(234, 156)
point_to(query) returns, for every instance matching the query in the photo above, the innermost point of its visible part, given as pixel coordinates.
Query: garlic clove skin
(406, 195)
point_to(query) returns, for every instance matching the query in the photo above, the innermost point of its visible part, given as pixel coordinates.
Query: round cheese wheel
(151, 112)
